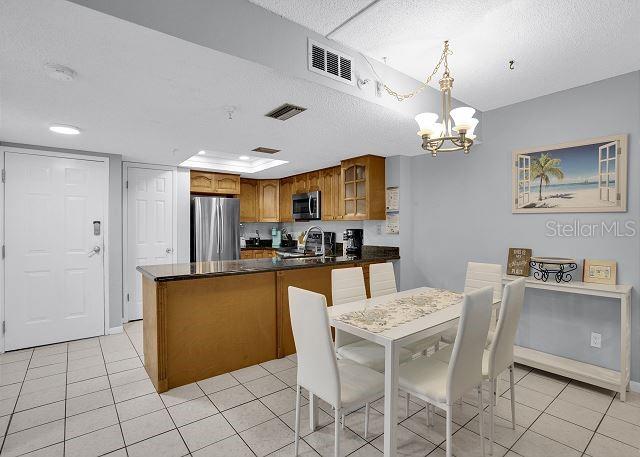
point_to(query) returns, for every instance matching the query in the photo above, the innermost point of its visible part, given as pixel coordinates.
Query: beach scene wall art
(583, 176)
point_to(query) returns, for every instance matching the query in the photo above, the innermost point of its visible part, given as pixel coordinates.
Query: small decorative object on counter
(599, 271)
(518, 261)
(559, 267)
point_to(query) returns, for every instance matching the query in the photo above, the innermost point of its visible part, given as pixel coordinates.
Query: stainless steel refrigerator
(215, 229)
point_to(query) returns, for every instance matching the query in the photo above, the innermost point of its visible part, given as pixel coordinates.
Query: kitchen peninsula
(208, 318)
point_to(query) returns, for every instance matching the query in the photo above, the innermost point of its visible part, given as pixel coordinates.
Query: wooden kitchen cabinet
(248, 200)
(363, 188)
(300, 184)
(268, 200)
(204, 182)
(313, 181)
(286, 204)
(330, 193)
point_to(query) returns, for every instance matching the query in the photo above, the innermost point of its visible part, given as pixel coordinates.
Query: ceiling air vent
(285, 112)
(266, 150)
(330, 63)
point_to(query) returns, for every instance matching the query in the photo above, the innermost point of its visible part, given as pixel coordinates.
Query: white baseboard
(114, 330)
(634, 386)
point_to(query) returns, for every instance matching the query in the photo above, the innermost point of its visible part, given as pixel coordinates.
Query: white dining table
(392, 339)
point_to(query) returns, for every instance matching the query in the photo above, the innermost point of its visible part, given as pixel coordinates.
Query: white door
(150, 228)
(54, 270)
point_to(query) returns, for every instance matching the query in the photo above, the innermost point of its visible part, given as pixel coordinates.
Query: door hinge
(4, 175)
(4, 327)
(618, 197)
(3, 253)
(127, 297)
(126, 184)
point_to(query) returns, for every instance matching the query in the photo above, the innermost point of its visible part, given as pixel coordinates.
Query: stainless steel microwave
(306, 207)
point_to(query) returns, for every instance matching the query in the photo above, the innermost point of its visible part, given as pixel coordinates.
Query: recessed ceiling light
(202, 152)
(244, 158)
(64, 129)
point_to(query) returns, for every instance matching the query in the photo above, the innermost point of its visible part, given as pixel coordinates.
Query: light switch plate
(596, 340)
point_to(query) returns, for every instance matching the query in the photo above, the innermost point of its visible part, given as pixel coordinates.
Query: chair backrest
(382, 279)
(501, 348)
(481, 275)
(465, 366)
(347, 285)
(317, 366)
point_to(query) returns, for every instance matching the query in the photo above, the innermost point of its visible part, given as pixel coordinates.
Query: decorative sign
(393, 199)
(599, 271)
(518, 261)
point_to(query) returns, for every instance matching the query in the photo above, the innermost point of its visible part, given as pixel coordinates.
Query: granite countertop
(181, 271)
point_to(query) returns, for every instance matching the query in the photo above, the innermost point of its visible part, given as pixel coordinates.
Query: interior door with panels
(150, 228)
(55, 210)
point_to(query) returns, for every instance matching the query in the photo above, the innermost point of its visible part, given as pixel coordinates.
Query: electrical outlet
(596, 340)
(379, 229)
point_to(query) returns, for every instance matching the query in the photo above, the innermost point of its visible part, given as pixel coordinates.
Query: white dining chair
(347, 285)
(498, 357)
(382, 281)
(440, 383)
(344, 384)
(480, 275)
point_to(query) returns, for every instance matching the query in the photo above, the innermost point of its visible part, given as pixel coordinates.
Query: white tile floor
(92, 397)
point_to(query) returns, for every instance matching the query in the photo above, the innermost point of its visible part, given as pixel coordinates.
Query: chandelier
(455, 132)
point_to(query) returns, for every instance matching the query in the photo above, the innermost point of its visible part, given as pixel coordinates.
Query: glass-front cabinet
(363, 188)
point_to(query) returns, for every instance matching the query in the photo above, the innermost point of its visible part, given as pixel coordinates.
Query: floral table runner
(384, 316)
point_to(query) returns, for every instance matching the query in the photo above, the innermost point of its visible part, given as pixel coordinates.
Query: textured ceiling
(320, 16)
(556, 44)
(155, 98)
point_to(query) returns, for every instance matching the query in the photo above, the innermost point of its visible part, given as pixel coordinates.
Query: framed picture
(599, 271)
(587, 176)
(518, 262)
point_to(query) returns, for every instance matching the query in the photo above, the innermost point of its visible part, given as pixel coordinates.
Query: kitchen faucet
(306, 239)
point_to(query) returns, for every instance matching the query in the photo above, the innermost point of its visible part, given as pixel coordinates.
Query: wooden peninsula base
(203, 326)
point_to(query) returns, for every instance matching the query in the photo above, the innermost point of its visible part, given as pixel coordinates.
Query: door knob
(94, 251)
(169, 251)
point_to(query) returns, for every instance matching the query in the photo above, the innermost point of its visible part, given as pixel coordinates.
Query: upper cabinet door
(227, 184)
(248, 200)
(286, 203)
(327, 194)
(313, 181)
(268, 207)
(202, 182)
(363, 188)
(300, 184)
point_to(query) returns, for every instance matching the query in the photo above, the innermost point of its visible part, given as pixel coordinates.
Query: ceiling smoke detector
(60, 72)
(286, 111)
(266, 150)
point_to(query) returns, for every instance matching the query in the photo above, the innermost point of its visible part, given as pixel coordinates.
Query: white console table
(618, 381)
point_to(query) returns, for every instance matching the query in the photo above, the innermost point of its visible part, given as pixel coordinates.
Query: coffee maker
(353, 242)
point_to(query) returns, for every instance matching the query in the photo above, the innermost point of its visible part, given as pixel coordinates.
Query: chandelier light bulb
(426, 123)
(462, 117)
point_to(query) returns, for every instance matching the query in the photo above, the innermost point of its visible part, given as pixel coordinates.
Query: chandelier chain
(443, 59)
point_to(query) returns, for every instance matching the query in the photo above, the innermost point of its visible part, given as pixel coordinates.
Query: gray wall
(115, 226)
(462, 212)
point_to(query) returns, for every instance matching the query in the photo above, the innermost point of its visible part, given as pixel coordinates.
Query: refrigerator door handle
(219, 223)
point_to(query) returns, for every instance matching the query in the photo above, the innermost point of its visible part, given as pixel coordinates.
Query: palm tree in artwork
(543, 168)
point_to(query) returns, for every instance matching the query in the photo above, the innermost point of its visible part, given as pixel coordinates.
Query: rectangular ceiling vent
(330, 63)
(286, 111)
(266, 150)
